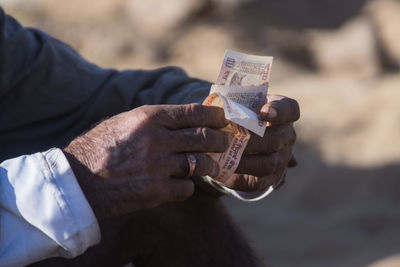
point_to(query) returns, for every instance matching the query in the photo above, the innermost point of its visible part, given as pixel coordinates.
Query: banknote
(240, 69)
(241, 89)
(238, 139)
(242, 105)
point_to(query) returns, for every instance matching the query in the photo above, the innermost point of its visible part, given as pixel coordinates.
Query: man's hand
(265, 159)
(135, 160)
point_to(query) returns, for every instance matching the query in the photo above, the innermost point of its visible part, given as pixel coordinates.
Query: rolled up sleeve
(43, 212)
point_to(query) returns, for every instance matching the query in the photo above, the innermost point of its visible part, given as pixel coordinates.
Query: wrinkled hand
(265, 159)
(135, 160)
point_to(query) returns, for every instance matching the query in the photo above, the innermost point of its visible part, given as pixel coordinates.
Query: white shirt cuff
(44, 211)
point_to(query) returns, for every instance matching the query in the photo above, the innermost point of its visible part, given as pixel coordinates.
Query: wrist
(89, 182)
(78, 151)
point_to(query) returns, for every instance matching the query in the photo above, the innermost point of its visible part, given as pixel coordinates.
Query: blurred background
(340, 59)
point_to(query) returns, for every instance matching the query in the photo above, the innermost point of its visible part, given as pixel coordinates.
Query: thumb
(280, 109)
(180, 189)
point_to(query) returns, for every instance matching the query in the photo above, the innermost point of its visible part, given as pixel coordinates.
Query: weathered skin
(131, 169)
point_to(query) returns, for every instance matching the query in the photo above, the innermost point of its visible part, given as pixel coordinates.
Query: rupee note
(241, 89)
(240, 69)
(242, 105)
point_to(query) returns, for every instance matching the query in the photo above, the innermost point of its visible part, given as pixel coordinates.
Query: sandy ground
(340, 206)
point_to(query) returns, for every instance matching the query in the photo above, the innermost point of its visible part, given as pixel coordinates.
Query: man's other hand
(136, 160)
(265, 159)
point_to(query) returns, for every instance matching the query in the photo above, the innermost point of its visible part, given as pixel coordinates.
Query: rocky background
(341, 61)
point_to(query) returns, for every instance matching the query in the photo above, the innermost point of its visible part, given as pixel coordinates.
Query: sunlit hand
(265, 159)
(135, 160)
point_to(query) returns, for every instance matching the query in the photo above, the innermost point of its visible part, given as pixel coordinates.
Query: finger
(201, 139)
(193, 115)
(179, 189)
(280, 109)
(275, 138)
(264, 165)
(250, 183)
(205, 165)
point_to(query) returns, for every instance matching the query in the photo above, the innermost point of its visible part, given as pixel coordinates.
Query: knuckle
(205, 136)
(146, 110)
(148, 114)
(183, 113)
(193, 107)
(193, 110)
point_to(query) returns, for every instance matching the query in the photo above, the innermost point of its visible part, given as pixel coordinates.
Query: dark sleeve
(49, 94)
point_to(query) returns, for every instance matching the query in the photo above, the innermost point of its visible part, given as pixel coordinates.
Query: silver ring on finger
(192, 164)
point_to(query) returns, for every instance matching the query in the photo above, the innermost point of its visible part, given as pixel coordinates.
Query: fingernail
(271, 113)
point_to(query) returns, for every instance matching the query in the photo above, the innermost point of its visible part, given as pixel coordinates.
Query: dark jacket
(49, 94)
